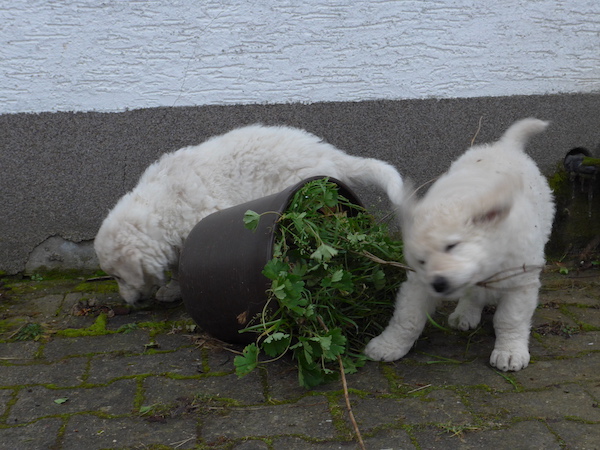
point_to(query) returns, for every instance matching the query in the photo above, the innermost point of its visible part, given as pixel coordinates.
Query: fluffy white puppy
(141, 237)
(478, 235)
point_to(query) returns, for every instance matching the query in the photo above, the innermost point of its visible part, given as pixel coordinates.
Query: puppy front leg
(512, 324)
(171, 292)
(410, 316)
(467, 313)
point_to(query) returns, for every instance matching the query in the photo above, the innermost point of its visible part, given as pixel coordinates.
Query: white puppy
(478, 235)
(141, 237)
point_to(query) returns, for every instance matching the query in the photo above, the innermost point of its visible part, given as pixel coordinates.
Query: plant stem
(346, 394)
(349, 406)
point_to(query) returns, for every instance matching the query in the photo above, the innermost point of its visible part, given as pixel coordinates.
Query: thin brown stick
(506, 274)
(101, 278)
(346, 393)
(378, 260)
(17, 332)
(419, 389)
(349, 406)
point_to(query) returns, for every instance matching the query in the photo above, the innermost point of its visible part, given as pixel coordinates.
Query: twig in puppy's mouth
(378, 260)
(507, 274)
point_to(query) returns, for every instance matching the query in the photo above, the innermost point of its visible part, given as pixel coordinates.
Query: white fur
(141, 237)
(491, 213)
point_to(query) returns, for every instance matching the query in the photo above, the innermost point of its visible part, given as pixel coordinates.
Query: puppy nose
(440, 284)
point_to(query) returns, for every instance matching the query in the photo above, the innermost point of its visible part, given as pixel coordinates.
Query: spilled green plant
(331, 288)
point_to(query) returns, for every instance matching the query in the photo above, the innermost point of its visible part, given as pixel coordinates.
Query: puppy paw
(512, 360)
(168, 294)
(380, 349)
(463, 321)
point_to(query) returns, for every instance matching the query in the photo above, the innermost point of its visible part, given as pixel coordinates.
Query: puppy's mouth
(443, 288)
(451, 294)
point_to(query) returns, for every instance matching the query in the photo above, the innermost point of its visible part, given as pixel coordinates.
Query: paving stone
(309, 417)
(36, 402)
(442, 374)
(184, 362)
(567, 346)
(282, 381)
(576, 435)
(484, 405)
(295, 443)
(551, 404)
(520, 436)
(588, 316)
(5, 397)
(18, 352)
(132, 342)
(466, 405)
(593, 388)
(548, 315)
(254, 444)
(42, 434)
(369, 378)
(173, 341)
(546, 373)
(67, 372)
(163, 390)
(94, 433)
(41, 308)
(389, 439)
(440, 406)
(220, 360)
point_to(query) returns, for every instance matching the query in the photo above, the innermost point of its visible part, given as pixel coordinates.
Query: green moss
(98, 328)
(59, 274)
(589, 161)
(560, 182)
(101, 287)
(587, 327)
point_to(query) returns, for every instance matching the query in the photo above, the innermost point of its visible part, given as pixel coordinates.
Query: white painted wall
(111, 55)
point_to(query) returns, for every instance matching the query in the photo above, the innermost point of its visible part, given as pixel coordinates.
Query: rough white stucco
(77, 55)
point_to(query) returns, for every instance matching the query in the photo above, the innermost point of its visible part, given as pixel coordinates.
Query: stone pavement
(79, 371)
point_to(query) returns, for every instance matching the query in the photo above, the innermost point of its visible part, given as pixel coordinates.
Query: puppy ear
(492, 216)
(409, 201)
(132, 267)
(495, 205)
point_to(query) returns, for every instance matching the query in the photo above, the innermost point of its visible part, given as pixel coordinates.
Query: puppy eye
(449, 247)
(421, 262)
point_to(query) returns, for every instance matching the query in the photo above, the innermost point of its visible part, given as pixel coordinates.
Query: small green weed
(29, 332)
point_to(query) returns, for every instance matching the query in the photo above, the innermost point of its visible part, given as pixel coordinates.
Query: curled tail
(374, 172)
(521, 131)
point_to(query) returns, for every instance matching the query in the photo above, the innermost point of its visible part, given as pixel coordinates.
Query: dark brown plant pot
(221, 263)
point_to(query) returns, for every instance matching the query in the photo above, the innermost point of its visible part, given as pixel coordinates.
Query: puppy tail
(370, 171)
(521, 131)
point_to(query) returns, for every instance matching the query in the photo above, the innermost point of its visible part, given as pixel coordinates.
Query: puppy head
(123, 253)
(453, 238)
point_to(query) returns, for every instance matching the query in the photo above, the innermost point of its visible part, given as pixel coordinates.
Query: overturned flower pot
(221, 264)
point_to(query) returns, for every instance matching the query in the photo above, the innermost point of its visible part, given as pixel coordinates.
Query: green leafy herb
(328, 294)
(30, 331)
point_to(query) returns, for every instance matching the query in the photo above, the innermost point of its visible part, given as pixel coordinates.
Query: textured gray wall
(60, 173)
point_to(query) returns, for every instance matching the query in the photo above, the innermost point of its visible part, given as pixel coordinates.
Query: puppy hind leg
(413, 304)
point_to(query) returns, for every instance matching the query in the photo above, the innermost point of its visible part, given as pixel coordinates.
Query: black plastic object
(221, 263)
